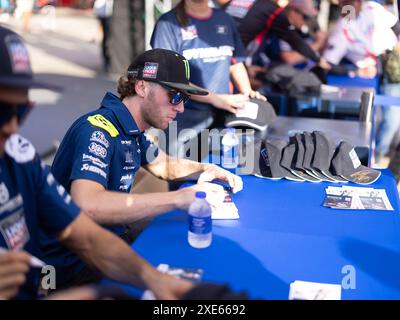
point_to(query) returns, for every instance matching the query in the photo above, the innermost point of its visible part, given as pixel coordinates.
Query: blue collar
(124, 117)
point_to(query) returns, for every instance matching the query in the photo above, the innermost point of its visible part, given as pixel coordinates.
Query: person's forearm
(240, 77)
(177, 169)
(107, 253)
(292, 57)
(209, 98)
(298, 44)
(114, 208)
(340, 69)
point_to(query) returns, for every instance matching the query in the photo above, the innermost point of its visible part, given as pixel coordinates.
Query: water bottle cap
(200, 194)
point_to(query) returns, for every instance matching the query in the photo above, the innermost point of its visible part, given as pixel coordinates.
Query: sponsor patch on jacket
(20, 149)
(4, 194)
(189, 33)
(221, 29)
(14, 230)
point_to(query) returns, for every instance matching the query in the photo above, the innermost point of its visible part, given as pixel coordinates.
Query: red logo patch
(150, 70)
(19, 56)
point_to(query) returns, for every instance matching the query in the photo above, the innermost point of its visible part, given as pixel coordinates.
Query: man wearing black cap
(33, 203)
(102, 151)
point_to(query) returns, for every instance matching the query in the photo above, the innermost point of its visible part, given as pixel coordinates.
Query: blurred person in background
(361, 37)
(264, 22)
(4, 10)
(208, 39)
(103, 10)
(302, 16)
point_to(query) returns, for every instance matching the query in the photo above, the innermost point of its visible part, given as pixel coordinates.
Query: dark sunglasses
(175, 96)
(11, 110)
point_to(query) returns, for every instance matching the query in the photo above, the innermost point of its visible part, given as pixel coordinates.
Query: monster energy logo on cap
(187, 69)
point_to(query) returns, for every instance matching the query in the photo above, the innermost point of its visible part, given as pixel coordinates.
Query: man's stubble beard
(147, 109)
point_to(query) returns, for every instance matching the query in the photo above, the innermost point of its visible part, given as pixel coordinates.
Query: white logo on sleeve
(100, 137)
(20, 149)
(97, 150)
(128, 177)
(94, 160)
(87, 167)
(4, 194)
(50, 179)
(354, 158)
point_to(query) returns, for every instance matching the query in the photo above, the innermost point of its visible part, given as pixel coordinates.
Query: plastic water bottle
(230, 149)
(200, 224)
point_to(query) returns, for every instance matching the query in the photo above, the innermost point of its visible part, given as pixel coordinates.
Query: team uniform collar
(124, 117)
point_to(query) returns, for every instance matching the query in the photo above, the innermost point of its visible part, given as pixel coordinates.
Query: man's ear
(140, 88)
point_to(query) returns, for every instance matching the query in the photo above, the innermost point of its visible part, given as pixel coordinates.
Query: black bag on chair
(290, 80)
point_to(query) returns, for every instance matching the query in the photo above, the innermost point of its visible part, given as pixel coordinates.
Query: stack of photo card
(194, 275)
(305, 290)
(356, 198)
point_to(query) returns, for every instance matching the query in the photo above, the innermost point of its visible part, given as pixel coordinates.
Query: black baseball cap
(288, 162)
(256, 114)
(15, 66)
(270, 154)
(165, 67)
(309, 150)
(300, 156)
(325, 149)
(347, 164)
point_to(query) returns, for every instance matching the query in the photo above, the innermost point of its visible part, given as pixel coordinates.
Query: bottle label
(229, 156)
(200, 225)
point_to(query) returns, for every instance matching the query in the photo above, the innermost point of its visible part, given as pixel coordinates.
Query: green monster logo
(187, 69)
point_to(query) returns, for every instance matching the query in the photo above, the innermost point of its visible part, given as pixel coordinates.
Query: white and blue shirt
(104, 146)
(211, 45)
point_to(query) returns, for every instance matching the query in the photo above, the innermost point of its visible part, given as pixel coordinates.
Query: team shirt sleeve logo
(99, 121)
(94, 169)
(97, 150)
(98, 136)
(94, 160)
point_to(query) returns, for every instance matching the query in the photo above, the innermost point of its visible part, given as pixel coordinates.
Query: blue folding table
(285, 234)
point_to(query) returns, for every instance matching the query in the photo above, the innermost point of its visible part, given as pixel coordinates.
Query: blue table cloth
(285, 234)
